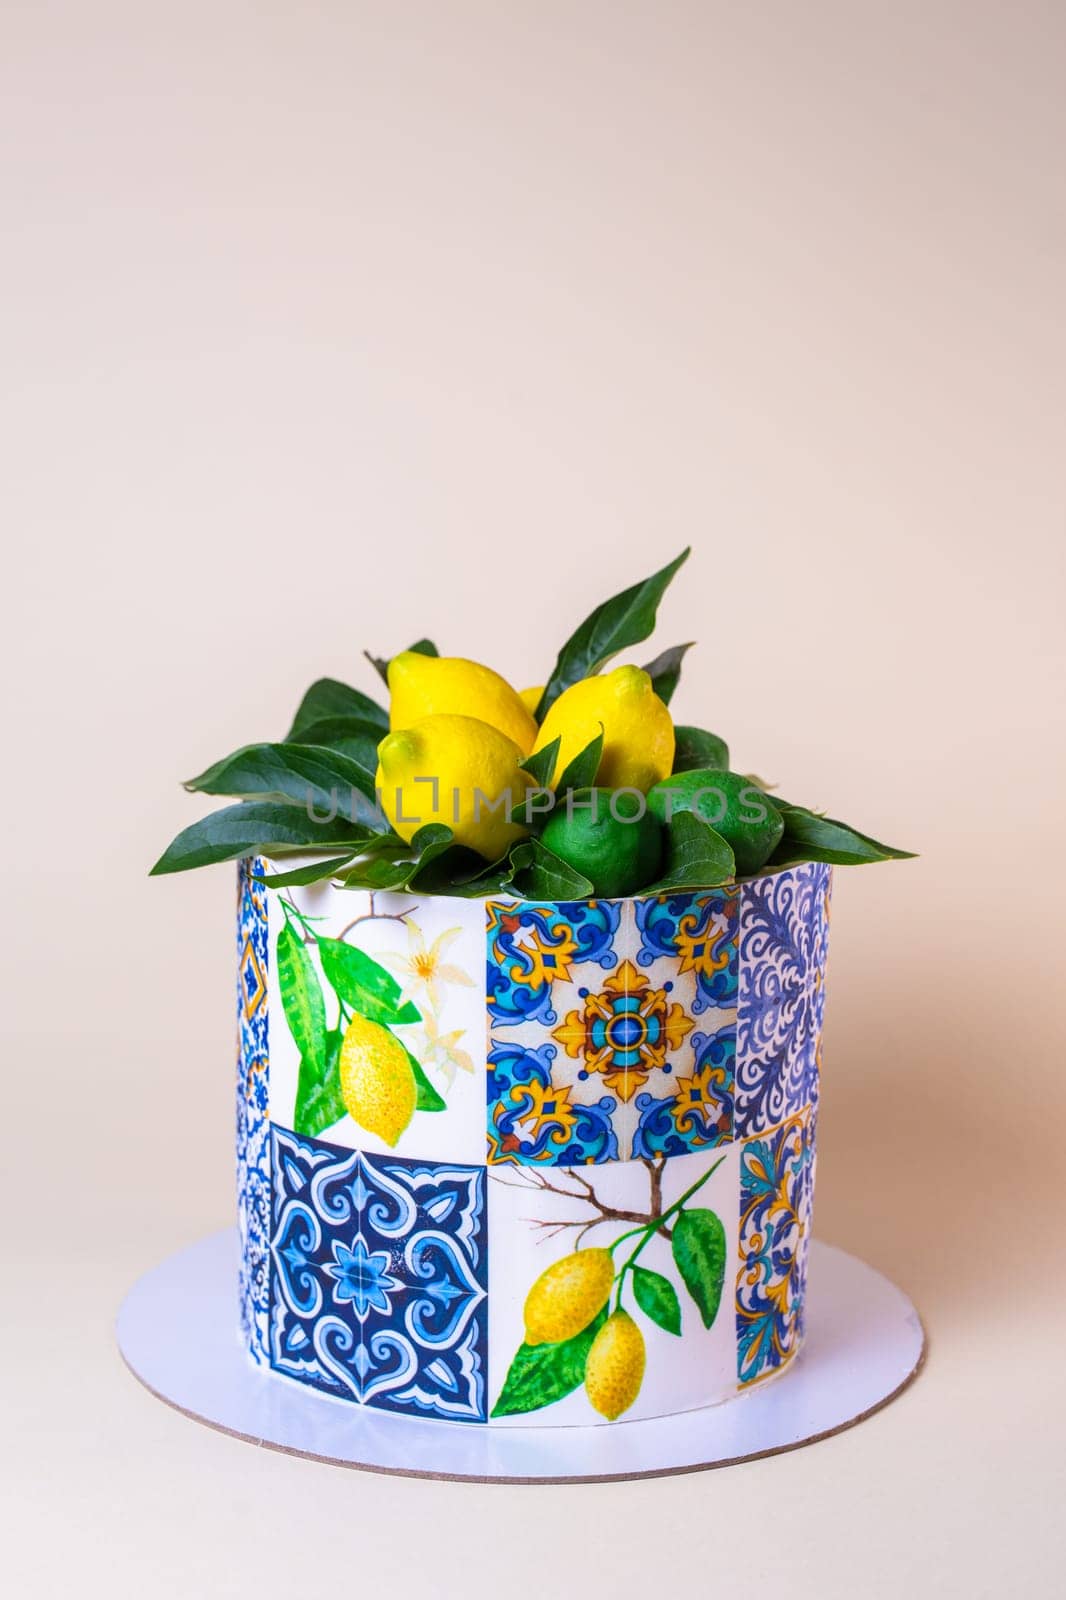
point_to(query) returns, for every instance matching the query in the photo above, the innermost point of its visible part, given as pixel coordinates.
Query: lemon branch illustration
(573, 1335)
(359, 1067)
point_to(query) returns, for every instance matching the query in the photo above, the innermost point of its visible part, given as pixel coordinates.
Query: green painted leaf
(699, 1248)
(580, 772)
(540, 1374)
(809, 836)
(665, 670)
(327, 698)
(538, 874)
(302, 999)
(314, 872)
(319, 1103)
(541, 764)
(304, 775)
(657, 1298)
(254, 829)
(697, 857)
(363, 984)
(618, 623)
(427, 1097)
(695, 749)
(380, 664)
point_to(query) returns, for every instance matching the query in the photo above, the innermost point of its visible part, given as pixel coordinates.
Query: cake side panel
(252, 1106)
(784, 946)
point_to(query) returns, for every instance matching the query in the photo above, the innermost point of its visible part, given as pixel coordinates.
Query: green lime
(733, 806)
(610, 836)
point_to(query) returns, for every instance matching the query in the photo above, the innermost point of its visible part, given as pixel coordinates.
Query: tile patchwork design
(776, 1192)
(611, 1027)
(630, 1047)
(253, 1127)
(380, 1278)
(784, 938)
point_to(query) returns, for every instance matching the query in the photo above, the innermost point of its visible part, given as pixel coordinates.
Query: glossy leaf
(302, 999)
(254, 829)
(538, 874)
(665, 670)
(329, 699)
(321, 868)
(657, 1298)
(353, 736)
(394, 863)
(697, 857)
(303, 775)
(699, 1248)
(541, 764)
(363, 984)
(580, 771)
(696, 749)
(811, 837)
(624, 620)
(540, 1374)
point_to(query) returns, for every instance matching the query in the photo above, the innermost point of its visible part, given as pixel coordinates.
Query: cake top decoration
(578, 788)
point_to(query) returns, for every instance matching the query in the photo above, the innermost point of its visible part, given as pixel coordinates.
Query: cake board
(177, 1332)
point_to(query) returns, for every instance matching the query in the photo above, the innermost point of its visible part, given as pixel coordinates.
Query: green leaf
(421, 647)
(580, 772)
(695, 749)
(697, 857)
(363, 984)
(352, 736)
(298, 774)
(319, 1103)
(541, 764)
(699, 1248)
(811, 837)
(251, 830)
(327, 698)
(394, 863)
(540, 1374)
(302, 1000)
(427, 1097)
(665, 670)
(618, 623)
(657, 1298)
(315, 872)
(538, 874)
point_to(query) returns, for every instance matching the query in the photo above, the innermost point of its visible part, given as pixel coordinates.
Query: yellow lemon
(638, 735)
(615, 1366)
(567, 1296)
(429, 686)
(530, 698)
(377, 1082)
(455, 770)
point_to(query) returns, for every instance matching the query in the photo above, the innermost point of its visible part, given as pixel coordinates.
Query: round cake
(528, 1162)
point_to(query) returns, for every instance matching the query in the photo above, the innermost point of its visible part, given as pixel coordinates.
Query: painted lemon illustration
(567, 1296)
(615, 1366)
(377, 1082)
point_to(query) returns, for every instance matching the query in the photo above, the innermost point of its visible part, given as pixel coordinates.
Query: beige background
(327, 325)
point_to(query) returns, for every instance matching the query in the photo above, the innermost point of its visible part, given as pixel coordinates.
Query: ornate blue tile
(253, 1151)
(380, 1278)
(532, 947)
(699, 933)
(784, 939)
(776, 1190)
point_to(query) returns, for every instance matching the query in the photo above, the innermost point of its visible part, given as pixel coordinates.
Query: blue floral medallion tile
(380, 1278)
(776, 1189)
(784, 940)
(532, 947)
(253, 1126)
(699, 933)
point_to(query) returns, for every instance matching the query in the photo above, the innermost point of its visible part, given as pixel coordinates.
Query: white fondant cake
(614, 1107)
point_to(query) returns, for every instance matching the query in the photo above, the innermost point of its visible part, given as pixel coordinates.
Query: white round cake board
(177, 1331)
